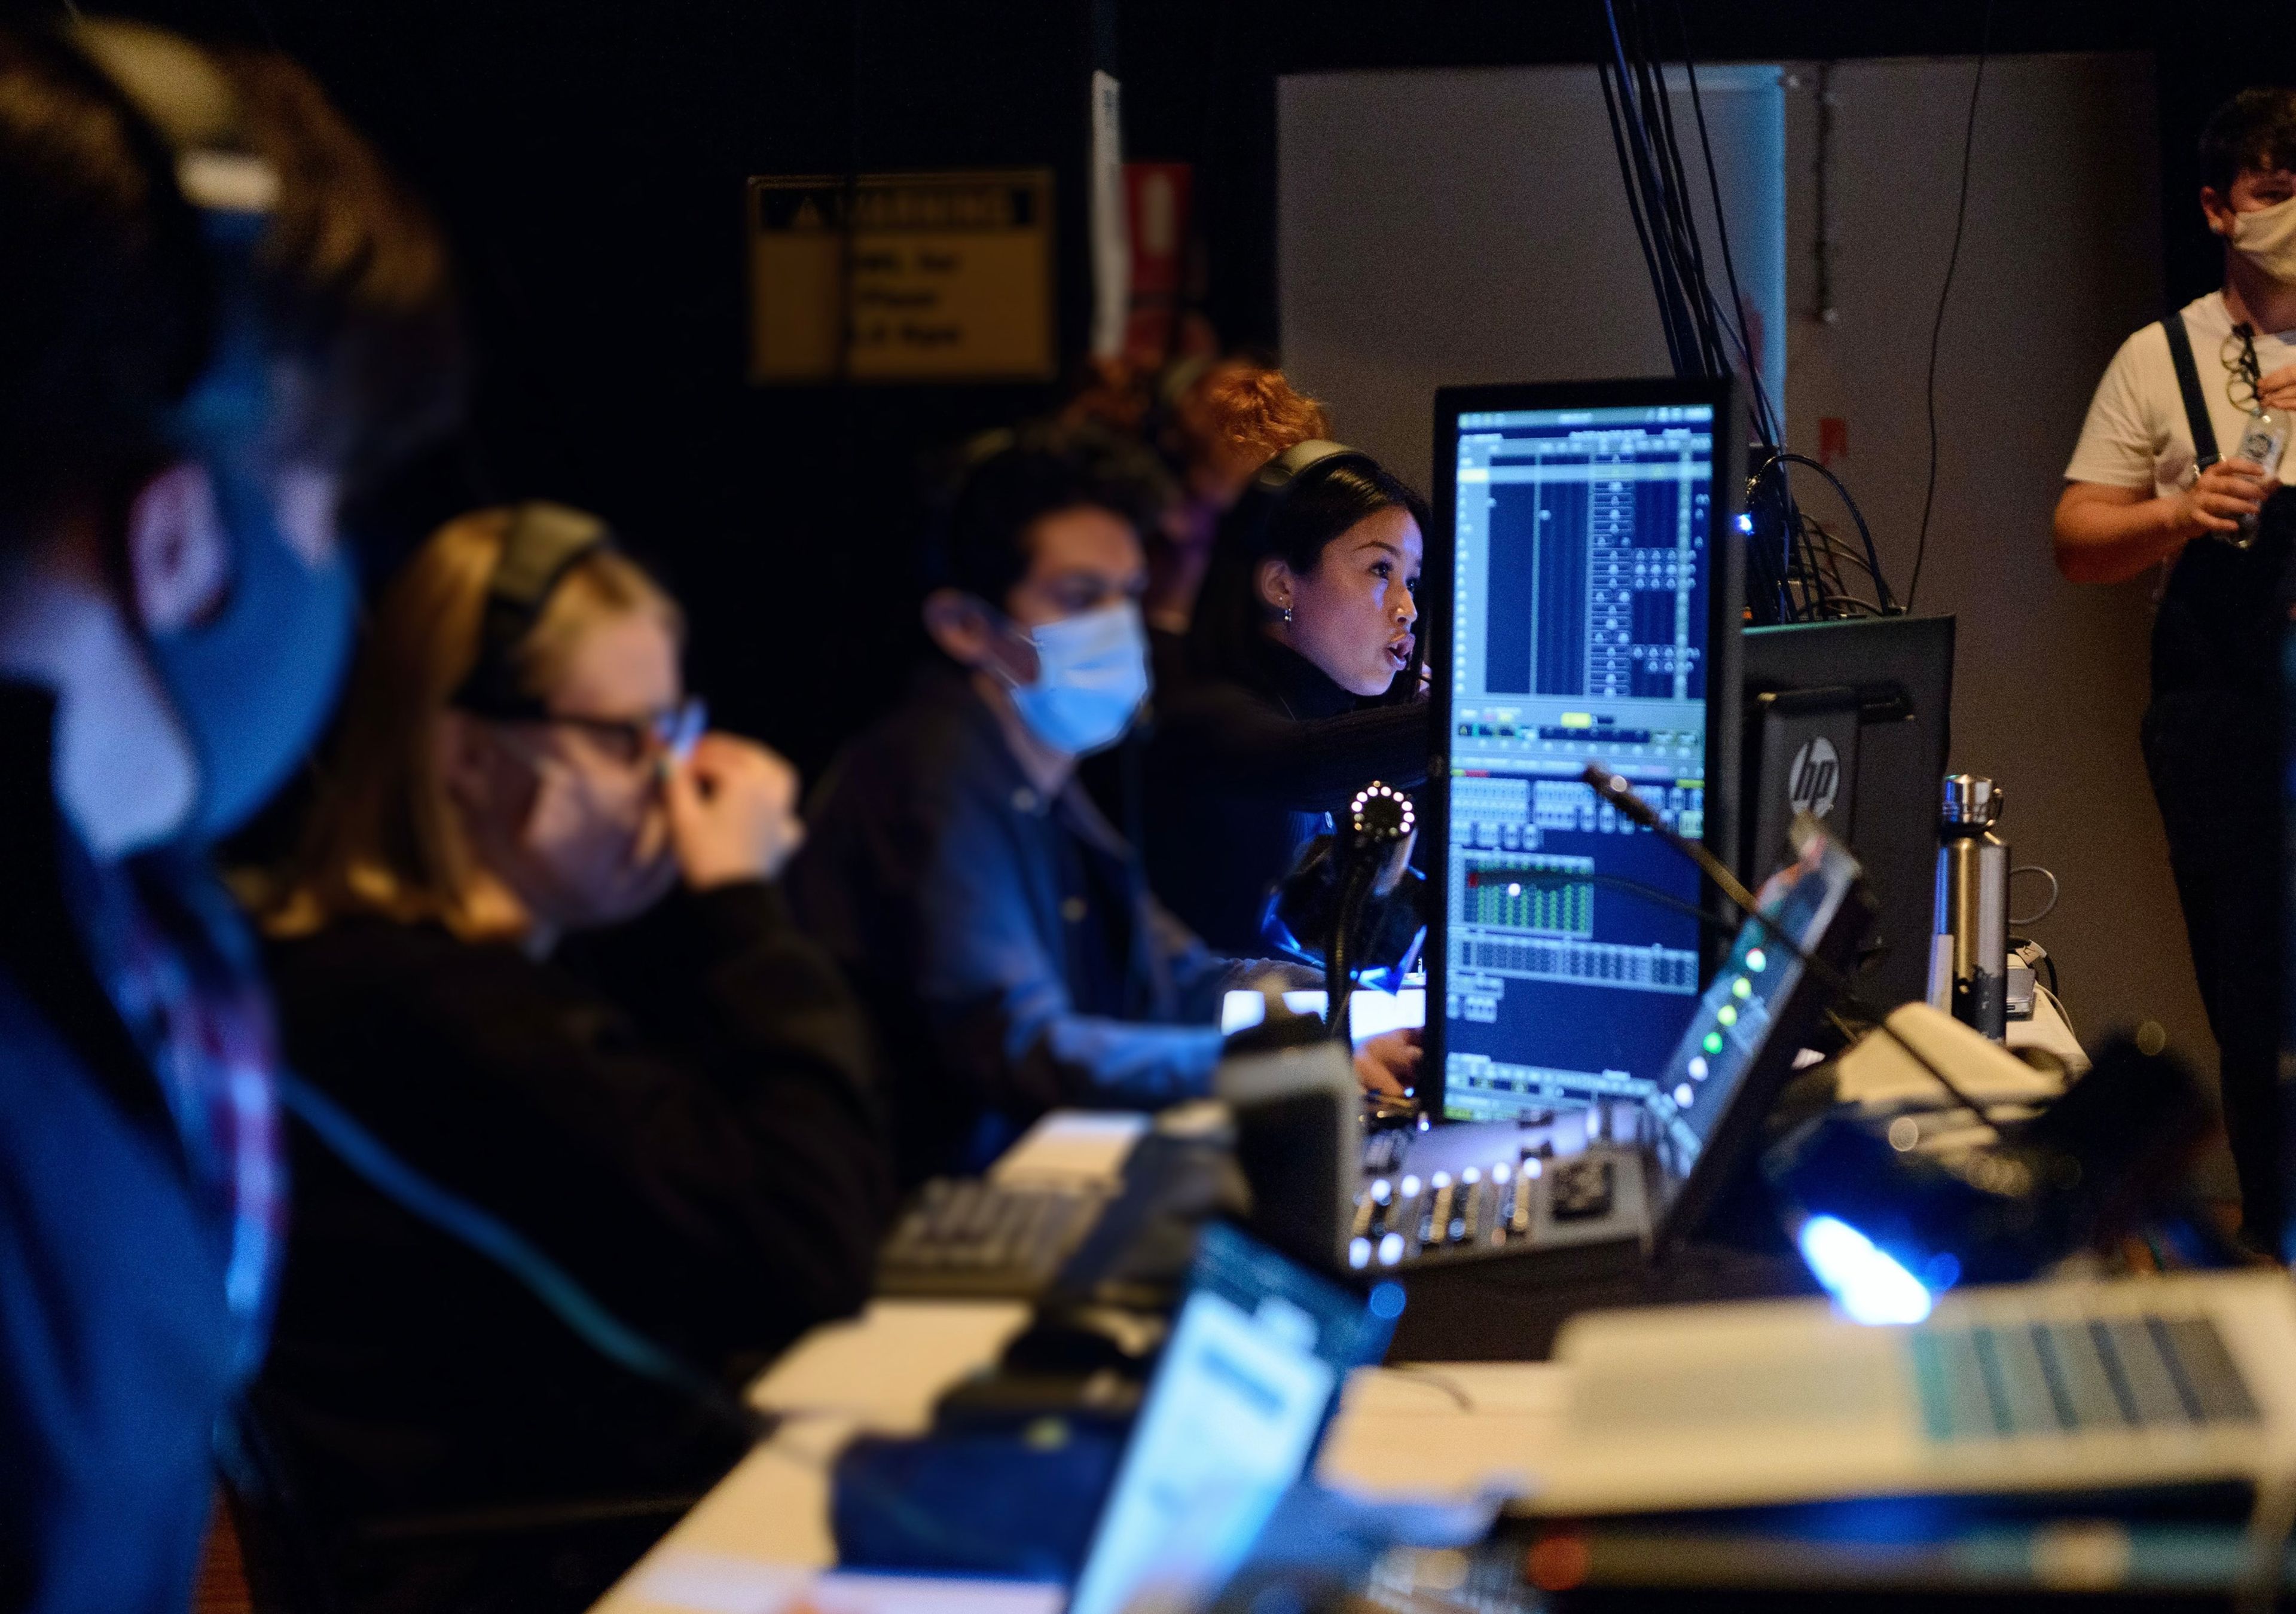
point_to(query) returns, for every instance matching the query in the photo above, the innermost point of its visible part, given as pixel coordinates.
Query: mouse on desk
(1081, 1340)
(1074, 1364)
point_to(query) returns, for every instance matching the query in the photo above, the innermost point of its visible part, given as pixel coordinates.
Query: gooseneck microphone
(1379, 822)
(1620, 792)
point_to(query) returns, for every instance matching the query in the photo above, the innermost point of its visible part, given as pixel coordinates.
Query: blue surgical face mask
(252, 682)
(1092, 675)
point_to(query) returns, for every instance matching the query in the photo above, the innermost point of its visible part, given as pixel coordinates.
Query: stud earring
(1287, 616)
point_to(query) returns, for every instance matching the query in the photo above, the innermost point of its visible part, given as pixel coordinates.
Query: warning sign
(902, 277)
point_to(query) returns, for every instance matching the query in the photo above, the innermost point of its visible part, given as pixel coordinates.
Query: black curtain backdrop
(588, 158)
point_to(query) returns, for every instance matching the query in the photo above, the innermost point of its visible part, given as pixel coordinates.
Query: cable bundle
(1793, 565)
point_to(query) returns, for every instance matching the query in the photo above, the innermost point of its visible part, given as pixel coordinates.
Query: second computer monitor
(1586, 539)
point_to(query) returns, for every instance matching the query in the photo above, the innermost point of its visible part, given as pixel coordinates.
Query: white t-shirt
(2135, 435)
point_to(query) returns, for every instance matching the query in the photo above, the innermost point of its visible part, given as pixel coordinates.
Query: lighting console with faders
(1612, 1194)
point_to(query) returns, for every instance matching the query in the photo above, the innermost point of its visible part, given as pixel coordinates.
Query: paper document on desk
(714, 1582)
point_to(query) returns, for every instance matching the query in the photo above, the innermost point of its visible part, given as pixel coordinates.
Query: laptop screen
(1245, 1386)
(1737, 1026)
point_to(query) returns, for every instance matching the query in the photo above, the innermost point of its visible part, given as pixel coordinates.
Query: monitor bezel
(1725, 595)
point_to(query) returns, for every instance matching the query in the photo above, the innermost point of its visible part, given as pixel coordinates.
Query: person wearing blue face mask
(1001, 930)
(215, 310)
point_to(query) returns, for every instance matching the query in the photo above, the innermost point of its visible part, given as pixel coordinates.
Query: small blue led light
(1387, 1302)
(1745, 523)
(1866, 1281)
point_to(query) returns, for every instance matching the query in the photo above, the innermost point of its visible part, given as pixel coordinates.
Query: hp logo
(1815, 779)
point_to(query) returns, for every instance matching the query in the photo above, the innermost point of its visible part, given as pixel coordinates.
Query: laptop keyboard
(1990, 1382)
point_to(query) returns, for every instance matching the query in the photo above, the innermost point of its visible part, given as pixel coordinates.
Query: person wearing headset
(1001, 931)
(1306, 657)
(533, 944)
(2168, 474)
(217, 314)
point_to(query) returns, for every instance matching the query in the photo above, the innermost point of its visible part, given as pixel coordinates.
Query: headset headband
(190, 102)
(1285, 472)
(543, 544)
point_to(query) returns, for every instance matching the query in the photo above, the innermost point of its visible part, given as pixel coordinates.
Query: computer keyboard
(971, 1236)
(1124, 1243)
(1991, 1381)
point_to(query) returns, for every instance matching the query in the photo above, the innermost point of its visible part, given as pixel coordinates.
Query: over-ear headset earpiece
(1244, 529)
(545, 542)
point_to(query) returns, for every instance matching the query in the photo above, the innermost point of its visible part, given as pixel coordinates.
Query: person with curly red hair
(1223, 419)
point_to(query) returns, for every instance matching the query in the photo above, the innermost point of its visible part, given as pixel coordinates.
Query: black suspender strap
(2188, 382)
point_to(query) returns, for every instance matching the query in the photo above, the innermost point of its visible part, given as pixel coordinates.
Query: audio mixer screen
(1581, 567)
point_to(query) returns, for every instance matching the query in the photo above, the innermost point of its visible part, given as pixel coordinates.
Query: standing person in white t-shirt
(2147, 486)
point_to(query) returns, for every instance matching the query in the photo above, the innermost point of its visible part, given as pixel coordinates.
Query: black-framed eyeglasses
(668, 732)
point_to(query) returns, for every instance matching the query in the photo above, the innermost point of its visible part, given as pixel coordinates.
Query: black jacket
(1007, 944)
(1241, 773)
(700, 1147)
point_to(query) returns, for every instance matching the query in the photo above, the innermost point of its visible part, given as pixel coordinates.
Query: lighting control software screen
(1581, 570)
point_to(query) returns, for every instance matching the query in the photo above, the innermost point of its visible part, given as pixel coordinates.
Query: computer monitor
(1850, 721)
(1585, 533)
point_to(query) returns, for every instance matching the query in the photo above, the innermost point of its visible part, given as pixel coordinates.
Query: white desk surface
(758, 1542)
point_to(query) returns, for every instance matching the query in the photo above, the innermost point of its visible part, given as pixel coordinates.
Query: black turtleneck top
(1242, 773)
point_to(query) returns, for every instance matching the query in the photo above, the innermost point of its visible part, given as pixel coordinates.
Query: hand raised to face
(733, 812)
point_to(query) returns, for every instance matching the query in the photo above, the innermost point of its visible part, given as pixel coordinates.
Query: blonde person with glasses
(535, 944)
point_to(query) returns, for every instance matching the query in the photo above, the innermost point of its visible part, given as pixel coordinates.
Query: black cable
(1766, 415)
(1937, 326)
(1784, 457)
(1619, 103)
(1340, 950)
(1635, 210)
(1842, 986)
(486, 1235)
(1678, 194)
(1673, 301)
(1619, 793)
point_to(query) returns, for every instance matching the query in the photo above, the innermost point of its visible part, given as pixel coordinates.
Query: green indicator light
(1713, 1042)
(1727, 1014)
(1741, 987)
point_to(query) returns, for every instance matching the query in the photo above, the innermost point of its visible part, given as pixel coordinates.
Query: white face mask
(1092, 675)
(2266, 238)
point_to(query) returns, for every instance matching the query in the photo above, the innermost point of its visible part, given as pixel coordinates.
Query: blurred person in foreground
(1001, 932)
(534, 944)
(217, 314)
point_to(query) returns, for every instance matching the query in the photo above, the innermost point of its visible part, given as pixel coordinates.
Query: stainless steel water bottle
(1969, 964)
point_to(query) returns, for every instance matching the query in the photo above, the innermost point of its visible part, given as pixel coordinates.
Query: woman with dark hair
(1306, 667)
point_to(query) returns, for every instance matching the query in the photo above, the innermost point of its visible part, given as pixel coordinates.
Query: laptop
(2051, 1388)
(1247, 1383)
